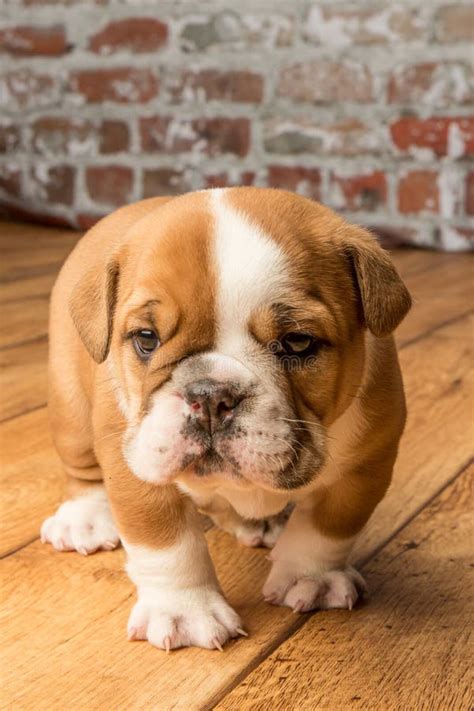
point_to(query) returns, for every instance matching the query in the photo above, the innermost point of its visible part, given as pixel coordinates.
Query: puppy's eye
(299, 344)
(145, 342)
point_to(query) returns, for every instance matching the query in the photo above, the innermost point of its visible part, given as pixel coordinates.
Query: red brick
(418, 192)
(111, 184)
(306, 181)
(25, 41)
(366, 191)
(53, 184)
(135, 34)
(212, 84)
(51, 135)
(323, 82)
(123, 85)
(456, 23)
(438, 84)
(452, 136)
(469, 199)
(9, 137)
(113, 137)
(10, 179)
(224, 180)
(25, 88)
(347, 137)
(165, 181)
(212, 136)
(367, 26)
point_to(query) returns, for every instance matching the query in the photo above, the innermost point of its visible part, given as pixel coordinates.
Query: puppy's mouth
(210, 461)
(221, 457)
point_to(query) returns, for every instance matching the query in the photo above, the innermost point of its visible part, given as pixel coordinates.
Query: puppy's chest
(254, 503)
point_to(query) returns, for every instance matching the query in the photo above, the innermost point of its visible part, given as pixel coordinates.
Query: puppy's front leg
(310, 569)
(179, 602)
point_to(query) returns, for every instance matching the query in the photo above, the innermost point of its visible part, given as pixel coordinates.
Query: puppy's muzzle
(213, 405)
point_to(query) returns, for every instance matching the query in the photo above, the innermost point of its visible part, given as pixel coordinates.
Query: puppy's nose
(212, 404)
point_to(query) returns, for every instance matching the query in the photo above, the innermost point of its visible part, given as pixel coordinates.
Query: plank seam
(431, 331)
(416, 271)
(26, 342)
(32, 273)
(23, 412)
(459, 472)
(18, 548)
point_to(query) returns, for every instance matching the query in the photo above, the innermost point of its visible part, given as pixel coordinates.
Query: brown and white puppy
(226, 350)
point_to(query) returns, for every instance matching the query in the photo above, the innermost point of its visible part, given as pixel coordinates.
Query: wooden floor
(64, 616)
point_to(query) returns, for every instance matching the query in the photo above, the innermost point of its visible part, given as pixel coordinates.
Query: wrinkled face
(236, 344)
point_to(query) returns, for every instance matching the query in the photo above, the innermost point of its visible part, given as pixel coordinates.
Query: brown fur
(120, 278)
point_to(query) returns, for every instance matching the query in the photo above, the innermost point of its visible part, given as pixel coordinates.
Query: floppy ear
(384, 298)
(92, 305)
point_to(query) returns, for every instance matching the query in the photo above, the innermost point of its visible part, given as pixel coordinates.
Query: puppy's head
(233, 325)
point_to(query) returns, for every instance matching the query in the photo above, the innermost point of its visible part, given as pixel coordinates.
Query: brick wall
(366, 106)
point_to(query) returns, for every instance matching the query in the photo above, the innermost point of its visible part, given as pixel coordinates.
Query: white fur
(179, 600)
(251, 272)
(155, 448)
(84, 524)
(310, 570)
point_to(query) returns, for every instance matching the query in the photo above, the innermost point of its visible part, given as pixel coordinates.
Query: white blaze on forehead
(251, 268)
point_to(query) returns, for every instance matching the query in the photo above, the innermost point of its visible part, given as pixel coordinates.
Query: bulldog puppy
(229, 351)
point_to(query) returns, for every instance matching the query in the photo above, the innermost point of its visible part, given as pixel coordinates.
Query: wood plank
(30, 478)
(439, 381)
(22, 323)
(439, 294)
(410, 261)
(23, 378)
(29, 250)
(61, 665)
(406, 649)
(27, 288)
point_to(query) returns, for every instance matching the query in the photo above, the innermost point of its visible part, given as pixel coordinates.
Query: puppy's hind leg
(84, 522)
(248, 532)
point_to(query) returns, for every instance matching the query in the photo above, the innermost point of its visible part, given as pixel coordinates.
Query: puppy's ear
(384, 298)
(92, 305)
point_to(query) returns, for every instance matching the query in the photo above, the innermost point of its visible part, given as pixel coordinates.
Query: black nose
(212, 404)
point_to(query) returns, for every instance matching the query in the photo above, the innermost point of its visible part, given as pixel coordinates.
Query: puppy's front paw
(84, 524)
(196, 617)
(323, 591)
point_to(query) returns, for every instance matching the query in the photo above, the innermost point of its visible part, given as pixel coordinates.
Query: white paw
(324, 591)
(84, 524)
(196, 617)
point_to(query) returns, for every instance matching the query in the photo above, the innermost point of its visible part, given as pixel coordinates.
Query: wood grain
(407, 648)
(27, 288)
(64, 616)
(32, 250)
(415, 261)
(439, 381)
(440, 294)
(23, 381)
(30, 478)
(190, 678)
